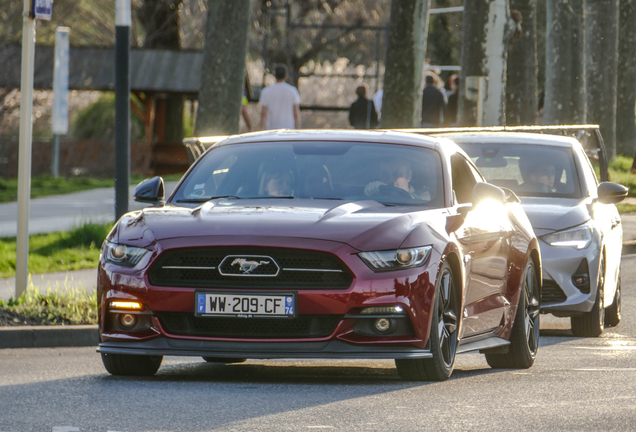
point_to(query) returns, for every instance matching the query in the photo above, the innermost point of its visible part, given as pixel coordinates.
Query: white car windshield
(528, 170)
(390, 174)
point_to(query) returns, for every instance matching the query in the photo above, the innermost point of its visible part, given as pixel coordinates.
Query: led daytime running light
(127, 305)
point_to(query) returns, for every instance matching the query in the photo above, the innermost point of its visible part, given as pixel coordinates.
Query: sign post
(43, 9)
(122, 106)
(60, 95)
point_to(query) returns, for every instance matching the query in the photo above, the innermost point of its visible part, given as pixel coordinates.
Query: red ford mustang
(323, 244)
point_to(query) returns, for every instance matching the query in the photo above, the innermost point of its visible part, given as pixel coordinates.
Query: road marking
(612, 348)
(65, 429)
(606, 369)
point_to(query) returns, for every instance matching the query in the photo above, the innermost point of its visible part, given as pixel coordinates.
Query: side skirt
(484, 343)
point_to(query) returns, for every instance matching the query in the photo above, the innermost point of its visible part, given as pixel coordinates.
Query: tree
(565, 92)
(601, 46)
(488, 29)
(522, 68)
(626, 80)
(402, 100)
(223, 69)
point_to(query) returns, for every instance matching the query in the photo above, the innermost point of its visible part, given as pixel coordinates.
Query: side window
(589, 177)
(464, 178)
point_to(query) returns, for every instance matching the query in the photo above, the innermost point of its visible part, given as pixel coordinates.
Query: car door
(484, 238)
(608, 219)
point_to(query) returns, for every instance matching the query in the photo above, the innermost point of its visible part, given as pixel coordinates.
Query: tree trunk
(406, 47)
(223, 70)
(487, 31)
(601, 40)
(160, 19)
(626, 85)
(565, 92)
(521, 85)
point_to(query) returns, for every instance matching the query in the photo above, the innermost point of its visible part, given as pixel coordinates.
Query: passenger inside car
(277, 181)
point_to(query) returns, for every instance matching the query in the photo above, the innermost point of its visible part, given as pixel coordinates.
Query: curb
(48, 336)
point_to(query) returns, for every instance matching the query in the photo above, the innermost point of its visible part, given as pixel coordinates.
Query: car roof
(347, 135)
(512, 138)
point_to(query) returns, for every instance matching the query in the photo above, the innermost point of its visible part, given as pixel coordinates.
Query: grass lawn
(46, 185)
(73, 250)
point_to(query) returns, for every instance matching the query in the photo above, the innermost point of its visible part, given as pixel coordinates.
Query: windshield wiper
(203, 200)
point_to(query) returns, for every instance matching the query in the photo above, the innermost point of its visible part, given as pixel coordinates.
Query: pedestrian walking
(377, 100)
(362, 114)
(280, 103)
(432, 104)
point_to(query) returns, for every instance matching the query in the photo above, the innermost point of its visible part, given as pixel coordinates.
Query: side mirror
(487, 191)
(611, 193)
(150, 191)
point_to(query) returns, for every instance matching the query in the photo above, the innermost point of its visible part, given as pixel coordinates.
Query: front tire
(613, 313)
(524, 340)
(443, 335)
(131, 365)
(592, 323)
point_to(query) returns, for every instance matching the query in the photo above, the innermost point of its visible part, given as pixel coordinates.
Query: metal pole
(122, 106)
(55, 158)
(26, 136)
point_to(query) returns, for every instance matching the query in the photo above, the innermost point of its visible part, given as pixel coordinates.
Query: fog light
(382, 324)
(127, 321)
(579, 280)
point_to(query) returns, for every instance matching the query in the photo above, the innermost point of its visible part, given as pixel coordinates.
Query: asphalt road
(64, 212)
(576, 384)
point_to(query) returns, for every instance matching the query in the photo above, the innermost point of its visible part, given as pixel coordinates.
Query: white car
(574, 217)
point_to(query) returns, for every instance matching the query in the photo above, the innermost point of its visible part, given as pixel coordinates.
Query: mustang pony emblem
(248, 266)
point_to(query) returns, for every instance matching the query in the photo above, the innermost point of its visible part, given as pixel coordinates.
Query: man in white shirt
(280, 103)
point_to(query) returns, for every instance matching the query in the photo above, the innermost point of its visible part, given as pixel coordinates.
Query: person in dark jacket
(432, 104)
(362, 114)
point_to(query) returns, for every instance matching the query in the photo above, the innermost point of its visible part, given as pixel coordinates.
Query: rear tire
(524, 339)
(592, 323)
(223, 360)
(613, 313)
(131, 365)
(443, 335)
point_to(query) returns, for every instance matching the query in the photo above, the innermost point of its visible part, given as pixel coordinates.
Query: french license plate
(245, 305)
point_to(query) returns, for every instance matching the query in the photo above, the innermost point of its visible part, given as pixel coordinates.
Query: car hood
(364, 225)
(553, 214)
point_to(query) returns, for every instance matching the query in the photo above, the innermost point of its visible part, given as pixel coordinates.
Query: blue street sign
(42, 9)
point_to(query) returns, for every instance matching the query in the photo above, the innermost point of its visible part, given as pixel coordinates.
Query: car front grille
(277, 268)
(303, 326)
(551, 292)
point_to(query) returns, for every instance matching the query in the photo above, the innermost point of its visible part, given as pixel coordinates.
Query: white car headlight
(396, 259)
(578, 238)
(122, 254)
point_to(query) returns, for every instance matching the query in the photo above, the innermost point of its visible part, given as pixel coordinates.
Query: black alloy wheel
(592, 323)
(613, 312)
(524, 339)
(443, 334)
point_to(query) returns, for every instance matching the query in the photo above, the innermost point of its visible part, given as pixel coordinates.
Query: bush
(97, 122)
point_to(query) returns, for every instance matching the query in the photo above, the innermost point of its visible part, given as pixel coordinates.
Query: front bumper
(559, 265)
(413, 289)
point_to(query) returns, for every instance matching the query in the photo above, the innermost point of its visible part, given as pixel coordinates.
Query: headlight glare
(395, 259)
(578, 238)
(123, 255)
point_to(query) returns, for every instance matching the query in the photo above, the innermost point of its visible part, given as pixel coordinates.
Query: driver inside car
(538, 176)
(277, 182)
(395, 178)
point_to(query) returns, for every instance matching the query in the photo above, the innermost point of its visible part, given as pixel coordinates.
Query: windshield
(528, 170)
(389, 174)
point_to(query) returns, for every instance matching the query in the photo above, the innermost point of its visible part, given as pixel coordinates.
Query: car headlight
(122, 254)
(578, 238)
(396, 259)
